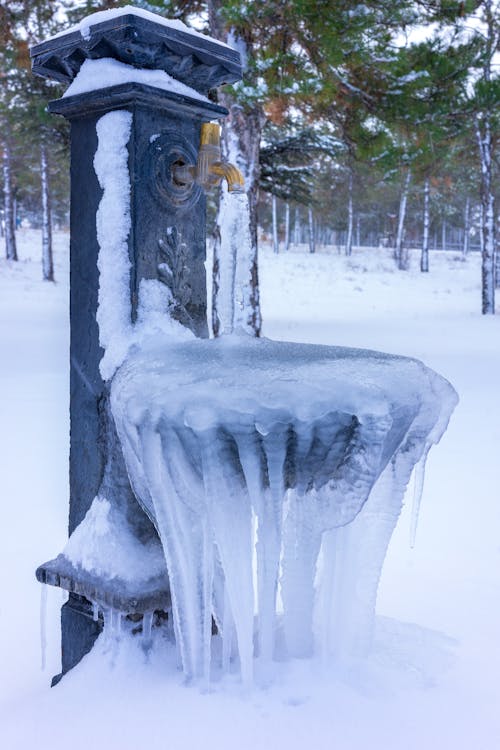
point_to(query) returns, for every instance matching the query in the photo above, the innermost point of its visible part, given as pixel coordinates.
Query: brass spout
(209, 168)
(232, 175)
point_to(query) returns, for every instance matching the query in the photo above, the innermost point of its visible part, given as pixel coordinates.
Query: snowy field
(432, 681)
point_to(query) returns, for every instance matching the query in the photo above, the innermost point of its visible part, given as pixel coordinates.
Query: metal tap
(209, 169)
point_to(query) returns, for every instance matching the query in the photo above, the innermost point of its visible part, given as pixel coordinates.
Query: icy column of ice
(230, 517)
(235, 267)
(187, 541)
(301, 545)
(244, 284)
(353, 555)
(113, 225)
(350, 450)
(269, 530)
(417, 493)
(229, 241)
(147, 625)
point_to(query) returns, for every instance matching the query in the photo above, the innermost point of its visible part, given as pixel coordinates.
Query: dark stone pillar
(166, 242)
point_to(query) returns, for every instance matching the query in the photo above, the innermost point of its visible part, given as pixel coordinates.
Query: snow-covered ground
(433, 679)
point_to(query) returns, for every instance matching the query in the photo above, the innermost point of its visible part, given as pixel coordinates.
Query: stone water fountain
(250, 483)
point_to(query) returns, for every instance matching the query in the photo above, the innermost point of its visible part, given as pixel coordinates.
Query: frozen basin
(274, 473)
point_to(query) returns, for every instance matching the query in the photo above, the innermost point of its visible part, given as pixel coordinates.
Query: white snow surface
(432, 680)
(86, 24)
(103, 544)
(99, 74)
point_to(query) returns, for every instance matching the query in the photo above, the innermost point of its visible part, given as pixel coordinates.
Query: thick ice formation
(312, 445)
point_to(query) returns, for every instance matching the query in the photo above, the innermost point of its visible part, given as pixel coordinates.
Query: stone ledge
(124, 596)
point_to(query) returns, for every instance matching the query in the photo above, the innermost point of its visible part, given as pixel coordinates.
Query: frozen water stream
(315, 445)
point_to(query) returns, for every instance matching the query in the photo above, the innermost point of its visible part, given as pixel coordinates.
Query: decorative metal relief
(173, 271)
(167, 151)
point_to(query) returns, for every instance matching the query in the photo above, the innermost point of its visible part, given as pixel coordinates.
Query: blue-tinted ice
(291, 458)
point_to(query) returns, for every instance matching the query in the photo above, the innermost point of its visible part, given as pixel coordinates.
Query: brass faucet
(209, 169)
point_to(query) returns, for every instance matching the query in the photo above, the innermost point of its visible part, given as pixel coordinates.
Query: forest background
(356, 124)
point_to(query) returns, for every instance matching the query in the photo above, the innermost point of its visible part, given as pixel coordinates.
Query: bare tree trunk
(242, 132)
(276, 242)
(424, 258)
(287, 227)
(481, 233)
(312, 239)
(484, 141)
(297, 228)
(465, 246)
(358, 231)
(400, 254)
(350, 217)
(483, 135)
(10, 234)
(443, 235)
(47, 256)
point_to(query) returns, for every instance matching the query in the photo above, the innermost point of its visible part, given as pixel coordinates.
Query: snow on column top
(144, 40)
(85, 24)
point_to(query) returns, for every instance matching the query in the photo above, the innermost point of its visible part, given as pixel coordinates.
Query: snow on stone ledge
(99, 74)
(103, 544)
(106, 15)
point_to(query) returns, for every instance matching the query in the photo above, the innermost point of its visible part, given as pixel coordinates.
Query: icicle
(227, 634)
(43, 625)
(269, 537)
(301, 543)
(147, 625)
(417, 494)
(230, 515)
(95, 611)
(187, 542)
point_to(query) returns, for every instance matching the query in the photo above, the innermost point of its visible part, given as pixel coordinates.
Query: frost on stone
(297, 456)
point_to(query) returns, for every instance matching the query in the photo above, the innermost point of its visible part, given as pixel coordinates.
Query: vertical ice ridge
(230, 518)
(188, 550)
(269, 537)
(417, 493)
(301, 545)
